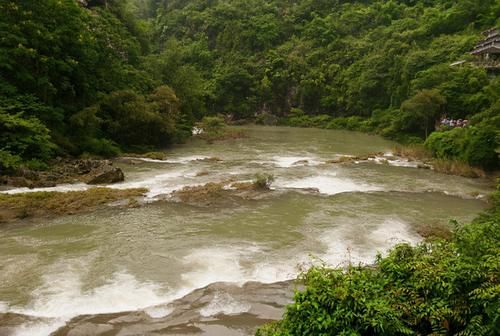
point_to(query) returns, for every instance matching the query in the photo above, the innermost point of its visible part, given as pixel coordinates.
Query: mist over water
(150, 259)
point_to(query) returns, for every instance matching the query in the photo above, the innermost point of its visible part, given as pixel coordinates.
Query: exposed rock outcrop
(66, 171)
(105, 175)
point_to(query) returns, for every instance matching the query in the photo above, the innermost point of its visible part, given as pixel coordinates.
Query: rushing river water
(220, 268)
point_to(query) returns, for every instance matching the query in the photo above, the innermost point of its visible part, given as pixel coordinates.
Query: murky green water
(118, 260)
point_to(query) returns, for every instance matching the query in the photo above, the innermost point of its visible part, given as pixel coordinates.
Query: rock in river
(105, 174)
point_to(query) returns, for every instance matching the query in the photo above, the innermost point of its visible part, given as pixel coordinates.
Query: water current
(174, 268)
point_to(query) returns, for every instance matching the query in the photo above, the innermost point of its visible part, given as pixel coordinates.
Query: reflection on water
(148, 259)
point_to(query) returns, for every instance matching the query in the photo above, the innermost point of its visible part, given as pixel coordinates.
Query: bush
(350, 123)
(263, 181)
(101, 147)
(266, 118)
(22, 139)
(483, 142)
(212, 126)
(474, 145)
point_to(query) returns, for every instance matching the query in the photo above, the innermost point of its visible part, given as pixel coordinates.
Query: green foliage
(437, 287)
(385, 65)
(65, 71)
(420, 113)
(475, 145)
(23, 139)
(375, 64)
(266, 118)
(130, 119)
(212, 127)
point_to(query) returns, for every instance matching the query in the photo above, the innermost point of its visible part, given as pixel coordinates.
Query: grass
(223, 135)
(449, 167)
(216, 190)
(429, 231)
(412, 152)
(200, 193)
(263, 181)
(42, 204)
(453, 167)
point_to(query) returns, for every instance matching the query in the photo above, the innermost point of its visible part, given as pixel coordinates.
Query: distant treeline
(384, 62)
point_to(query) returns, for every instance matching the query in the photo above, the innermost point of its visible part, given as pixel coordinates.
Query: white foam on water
(278, 270)
(164, 183)
(223, 303)
(181, 160)
(326, 184)
(3, 307)
(400, 162)
(61, 297)
(159, 311)
(59, 188)
(214, 264)
(236, 264)
(39, 328)
(188, 159)
(291, 161)
(159, 184)
(354, 244)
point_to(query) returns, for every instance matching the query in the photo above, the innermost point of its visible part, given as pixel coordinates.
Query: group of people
(454, 122)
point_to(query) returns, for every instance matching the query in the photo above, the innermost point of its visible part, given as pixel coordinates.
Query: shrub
(481, 147)
(474, 145)
(263, 181)
(350, 123)
(22, 139)
(266, 118)
(212, 126)
(101, 147)
(454, 167)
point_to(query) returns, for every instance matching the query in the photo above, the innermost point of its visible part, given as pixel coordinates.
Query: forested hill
(136, 74)
(333, 57)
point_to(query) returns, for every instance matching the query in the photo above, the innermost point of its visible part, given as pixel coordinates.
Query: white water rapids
(144, 259)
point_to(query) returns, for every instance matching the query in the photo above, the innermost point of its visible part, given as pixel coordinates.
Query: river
(219, 268)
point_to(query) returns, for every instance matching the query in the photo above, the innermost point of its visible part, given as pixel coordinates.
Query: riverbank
(64, 171)
(468, 152)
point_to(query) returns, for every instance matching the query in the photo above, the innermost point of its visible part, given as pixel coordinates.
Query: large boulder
(105, 174)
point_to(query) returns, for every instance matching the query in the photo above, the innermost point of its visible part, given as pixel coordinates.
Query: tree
(421, 111)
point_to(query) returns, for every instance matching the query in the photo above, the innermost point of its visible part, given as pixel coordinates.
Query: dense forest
(92, 77)
(376, 66)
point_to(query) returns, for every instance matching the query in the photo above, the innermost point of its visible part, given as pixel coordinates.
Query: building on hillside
(488, 50)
